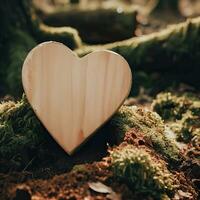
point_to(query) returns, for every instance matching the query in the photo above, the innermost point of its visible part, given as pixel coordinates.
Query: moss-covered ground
(146, 153)
(150, 148)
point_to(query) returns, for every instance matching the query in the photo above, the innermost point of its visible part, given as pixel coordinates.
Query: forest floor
(87, 174)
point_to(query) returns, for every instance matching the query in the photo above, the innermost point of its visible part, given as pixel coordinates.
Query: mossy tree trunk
(20, 31)
(14, 15)
(94, 25)
(173, 50)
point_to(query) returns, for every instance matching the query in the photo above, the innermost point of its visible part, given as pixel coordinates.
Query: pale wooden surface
(74, 96)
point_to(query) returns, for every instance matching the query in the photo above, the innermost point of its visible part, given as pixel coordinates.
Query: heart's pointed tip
(70, 152)
(69, 148)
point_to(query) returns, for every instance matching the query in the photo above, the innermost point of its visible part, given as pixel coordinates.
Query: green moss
(13, 14)
(143, 173)
(19, 123)
(151, 125)
(20, 44)
(79, 168)
(187, 128)
(20, 118)
(20, 32)
(190, 126)
(182, 114)
(20, 132)
(132, 116)
(169, 106)
(25, 143)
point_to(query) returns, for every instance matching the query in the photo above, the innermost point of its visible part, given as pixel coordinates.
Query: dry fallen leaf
(100, 187)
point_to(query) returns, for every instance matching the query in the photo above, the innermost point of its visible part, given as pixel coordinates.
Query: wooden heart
(74, 96)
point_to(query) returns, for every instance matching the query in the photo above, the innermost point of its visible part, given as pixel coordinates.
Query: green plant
(141, 171)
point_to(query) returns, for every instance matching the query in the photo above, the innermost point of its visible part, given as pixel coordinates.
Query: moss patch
(151, 125)
(146, 175)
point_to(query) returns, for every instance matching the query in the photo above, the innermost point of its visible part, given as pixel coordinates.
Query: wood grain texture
(74, 96)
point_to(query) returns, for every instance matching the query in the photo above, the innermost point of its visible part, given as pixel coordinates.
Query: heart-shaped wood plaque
(74, 96)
